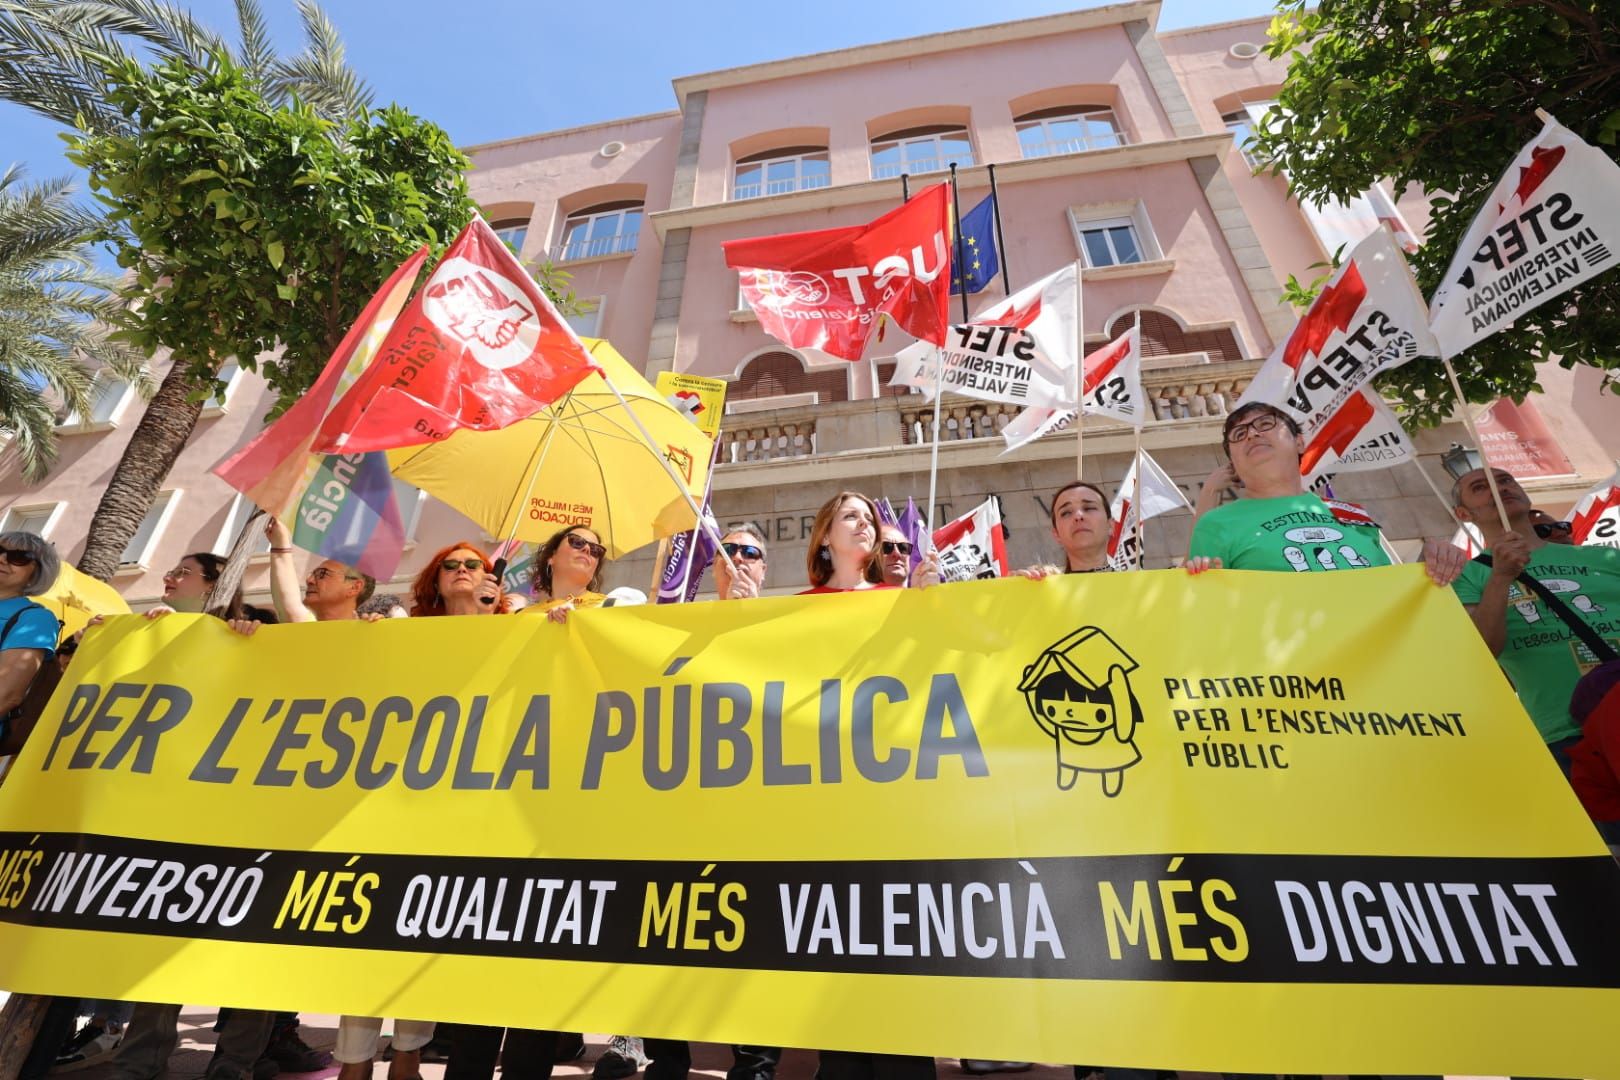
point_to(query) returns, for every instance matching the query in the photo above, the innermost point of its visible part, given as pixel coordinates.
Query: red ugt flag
(825, 289)
(479, 347)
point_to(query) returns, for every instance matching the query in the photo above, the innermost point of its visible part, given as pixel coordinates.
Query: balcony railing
(920, 166)
(594, 248)
(780, 187)
(1055, 147)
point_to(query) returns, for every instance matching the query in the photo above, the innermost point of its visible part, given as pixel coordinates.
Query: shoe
(293, 1055)
(624, 1057)
(436, 1052)
(977, 1067)
(91, 1046)
(570, 1047)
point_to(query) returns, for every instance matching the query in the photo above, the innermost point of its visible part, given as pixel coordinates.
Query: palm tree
(56, 59)
(54, 305)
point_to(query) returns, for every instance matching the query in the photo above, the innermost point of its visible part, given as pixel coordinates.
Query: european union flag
(979, 262)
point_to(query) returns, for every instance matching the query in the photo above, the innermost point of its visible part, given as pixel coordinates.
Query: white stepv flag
(1365, 434)
(1111, 386)
(1369, 318)
(1551, 222)
(1595, 520)
(1158, 495)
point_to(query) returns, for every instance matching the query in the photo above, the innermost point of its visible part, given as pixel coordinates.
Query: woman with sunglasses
(569, 572)
(459, 580)
(844, 553)
(28, 631)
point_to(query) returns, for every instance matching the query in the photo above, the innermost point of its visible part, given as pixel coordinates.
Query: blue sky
(495, 69)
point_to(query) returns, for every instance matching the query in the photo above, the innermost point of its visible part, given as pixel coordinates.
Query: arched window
(1162, 335)
(910, 151)
(781, 374)
(1067, 129)
(777, 172)
(513, 230)
(604, 229)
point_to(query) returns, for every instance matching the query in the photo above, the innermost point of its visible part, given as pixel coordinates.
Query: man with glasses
(747, 553)
(1535, 646)
(1278, 525)
(331, 590)
(895, 554)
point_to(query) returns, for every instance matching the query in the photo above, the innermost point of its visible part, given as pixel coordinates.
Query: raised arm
(284, 590)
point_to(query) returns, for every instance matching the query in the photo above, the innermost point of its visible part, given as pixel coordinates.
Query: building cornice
(1011, 172)
(668, 114)
(906, 48)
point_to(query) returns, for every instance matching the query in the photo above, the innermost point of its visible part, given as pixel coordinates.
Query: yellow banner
(701, 399)
(1240, 822)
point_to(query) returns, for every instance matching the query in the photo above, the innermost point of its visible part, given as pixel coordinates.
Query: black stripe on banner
(1204, 918)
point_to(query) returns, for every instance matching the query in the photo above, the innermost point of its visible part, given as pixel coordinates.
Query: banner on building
(701, 399)
(1551, 222)
(943, 822)
(1516, 438)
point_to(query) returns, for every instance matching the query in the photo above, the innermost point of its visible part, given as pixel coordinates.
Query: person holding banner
(1278, 525)
(1080, 525)
(747, 553)
(844, 554)
(569, 573)
(1533, 638)
(895, 556)
(459, 580)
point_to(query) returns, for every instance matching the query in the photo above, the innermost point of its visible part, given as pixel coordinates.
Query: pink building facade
(1113, 144)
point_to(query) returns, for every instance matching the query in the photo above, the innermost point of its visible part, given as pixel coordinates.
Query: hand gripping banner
(1238, 822)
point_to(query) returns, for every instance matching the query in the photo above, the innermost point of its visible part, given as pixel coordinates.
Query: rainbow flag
(339, 506)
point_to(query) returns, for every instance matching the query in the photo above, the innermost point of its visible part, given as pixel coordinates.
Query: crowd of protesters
(1274, 525)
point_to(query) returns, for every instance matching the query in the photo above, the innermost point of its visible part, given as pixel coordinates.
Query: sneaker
(89, 1047)
(293, 1055)
(624, 1057)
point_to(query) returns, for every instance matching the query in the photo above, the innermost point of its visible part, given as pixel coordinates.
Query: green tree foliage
(251, 227)
(1442, 94)
(54, 305)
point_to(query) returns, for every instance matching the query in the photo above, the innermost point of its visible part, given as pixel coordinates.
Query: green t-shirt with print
(1302, 533)
(1542, 655)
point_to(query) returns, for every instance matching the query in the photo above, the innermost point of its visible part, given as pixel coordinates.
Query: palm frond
(55, 69)
(170, 30)
(320, 76)
(256, 54)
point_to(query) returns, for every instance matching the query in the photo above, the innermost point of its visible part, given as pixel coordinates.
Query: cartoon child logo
(1079, 692)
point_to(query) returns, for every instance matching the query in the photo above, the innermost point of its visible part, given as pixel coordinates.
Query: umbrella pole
(669, 470)
(534, 478)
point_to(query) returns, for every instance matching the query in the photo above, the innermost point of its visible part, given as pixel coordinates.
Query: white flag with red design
(1469, 538)
(1551, 222)
(1156, 494)
(479, 346)
(1368, 319)
(1595, 520)
(973, 546)
(1111, 385)
(1021, 351)
(1365, 434)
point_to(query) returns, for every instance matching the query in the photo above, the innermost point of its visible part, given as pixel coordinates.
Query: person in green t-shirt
(1279, 525)
(1539, 652)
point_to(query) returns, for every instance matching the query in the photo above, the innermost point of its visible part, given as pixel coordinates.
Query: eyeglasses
(17, 558)
(321, 573)
(1258, 426)
(579, 543)
(177, 573)
(1545, 529)
(450, 566)
(891, 547)
(743, 551)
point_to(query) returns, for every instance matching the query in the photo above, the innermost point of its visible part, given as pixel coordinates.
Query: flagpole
(1451, 511)
(691, 541)
(939, 361)
(1136, 505)
(1473, 433)
(905, 187)
(961, 250)
(669, 470)
(1079, 374)
(1001, 243)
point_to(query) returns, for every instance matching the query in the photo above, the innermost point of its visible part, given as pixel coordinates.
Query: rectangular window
(231, 375)
(411, 500)
(588, 322)
(108, 397)
(242, 508)
(514, 235)
(32, 519)
(138, 551)
(611, 232)
(1113, 234)
(1241, 125)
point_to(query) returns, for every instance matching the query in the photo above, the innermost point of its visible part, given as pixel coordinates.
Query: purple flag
(689, 557)
(886, 515)
(911, 523)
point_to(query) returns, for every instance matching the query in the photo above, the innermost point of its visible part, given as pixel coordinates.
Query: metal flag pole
(674, 478)
(939, 363)
(1001, 241)
(691, 541)
(1079, 375)
(961, 251)
(905, 187)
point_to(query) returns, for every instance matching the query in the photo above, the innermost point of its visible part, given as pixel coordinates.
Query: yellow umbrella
(76, 598)
(583, 460)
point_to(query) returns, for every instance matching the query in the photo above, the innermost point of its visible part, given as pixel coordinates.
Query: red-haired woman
(843, 553)
(459, 580)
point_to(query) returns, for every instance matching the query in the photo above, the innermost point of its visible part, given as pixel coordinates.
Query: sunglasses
(743, 551)
(894, 547)
(321, 573)
(17, 558)
(1258, 426)
(579, 543)
(450, 566)
(1545, 529)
